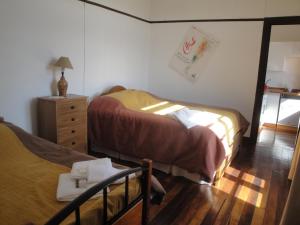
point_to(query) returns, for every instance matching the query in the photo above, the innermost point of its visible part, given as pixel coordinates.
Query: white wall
(275, 74)
(216, 9)
(104, 47)
(282, 8)
(205, 9)
(229, 78)
(116, 51)
(285, 33)
(140, 8)
(33, 33)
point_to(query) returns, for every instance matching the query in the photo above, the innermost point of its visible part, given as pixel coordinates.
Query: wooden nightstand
(63, 120)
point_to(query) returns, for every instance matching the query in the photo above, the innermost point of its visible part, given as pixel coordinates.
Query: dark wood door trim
(264, 53)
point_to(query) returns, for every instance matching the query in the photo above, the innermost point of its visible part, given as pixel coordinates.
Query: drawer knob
(72, 107)
(73, 131)
(73, 119)
(73, 143)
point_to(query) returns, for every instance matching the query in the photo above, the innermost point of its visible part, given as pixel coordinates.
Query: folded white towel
(99, 172)
(80, 169)
(190, 118)
(67, 190)
(95, 171)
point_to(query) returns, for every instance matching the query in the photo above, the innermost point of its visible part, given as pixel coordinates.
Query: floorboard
(253, 190)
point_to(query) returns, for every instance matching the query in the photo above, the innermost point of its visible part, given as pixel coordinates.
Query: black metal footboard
(74, 206)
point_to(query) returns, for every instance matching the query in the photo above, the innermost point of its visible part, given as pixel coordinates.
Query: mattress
(137, 124)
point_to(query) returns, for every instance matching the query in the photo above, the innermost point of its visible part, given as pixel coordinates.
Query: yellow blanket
(227, 123)
(28, 187)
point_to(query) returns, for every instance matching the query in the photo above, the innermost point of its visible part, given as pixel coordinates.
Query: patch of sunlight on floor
(254, 180)
(242, 192)
(232, 171)
(248, 195)
(226, 185)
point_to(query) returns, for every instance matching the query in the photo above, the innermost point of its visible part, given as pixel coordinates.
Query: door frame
(264, 53)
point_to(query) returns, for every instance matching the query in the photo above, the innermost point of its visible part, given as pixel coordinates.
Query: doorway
(280, 113)
(270, 24)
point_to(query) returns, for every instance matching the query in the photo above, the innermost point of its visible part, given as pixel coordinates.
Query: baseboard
(281, 128)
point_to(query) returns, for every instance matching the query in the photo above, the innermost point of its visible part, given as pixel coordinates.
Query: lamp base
(62, 86)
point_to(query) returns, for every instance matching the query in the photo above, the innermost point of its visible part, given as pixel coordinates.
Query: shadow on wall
(54, 71)
(33, 108)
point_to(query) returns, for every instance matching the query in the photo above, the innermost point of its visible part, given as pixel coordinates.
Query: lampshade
(292, 65)
(64, 62)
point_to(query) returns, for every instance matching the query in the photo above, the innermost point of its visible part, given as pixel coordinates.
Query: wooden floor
(253, 190)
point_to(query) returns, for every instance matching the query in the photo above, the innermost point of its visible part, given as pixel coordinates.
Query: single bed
(29, 171)
(134, 124)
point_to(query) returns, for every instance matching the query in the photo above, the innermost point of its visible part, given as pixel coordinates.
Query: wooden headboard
(116, 88)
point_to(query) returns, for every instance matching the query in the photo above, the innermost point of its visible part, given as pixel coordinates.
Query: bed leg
(146, 189)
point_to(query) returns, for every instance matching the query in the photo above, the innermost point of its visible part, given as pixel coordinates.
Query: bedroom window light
(154, 106)
(228, 122)
(254, 180)
(232, 171)
(227, 148)
(226, 185)
(170, 109)
(243, 192)
(288, 108)
(219, 129)
(205, 118)
(249, 195)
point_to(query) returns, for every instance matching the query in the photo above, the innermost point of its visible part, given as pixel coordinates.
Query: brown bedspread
(29, 182)
(162, 139)
(48, 150)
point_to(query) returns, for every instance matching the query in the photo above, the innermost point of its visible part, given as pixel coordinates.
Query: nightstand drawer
(71, 119)
(63, 120)
(78, 145)
(70, 133)
(71, 106)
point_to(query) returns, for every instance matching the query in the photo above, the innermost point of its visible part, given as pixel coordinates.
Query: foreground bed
(29, 170)
(135, 124)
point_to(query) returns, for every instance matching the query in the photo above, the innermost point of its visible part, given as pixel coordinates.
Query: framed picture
(193, 54)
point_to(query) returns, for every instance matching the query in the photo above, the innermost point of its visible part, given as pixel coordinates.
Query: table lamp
(292, 68)
(62, 85)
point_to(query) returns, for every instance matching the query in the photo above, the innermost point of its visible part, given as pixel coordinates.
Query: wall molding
(171, 21)
(208, 20)
(275, 20)
(115, 10)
